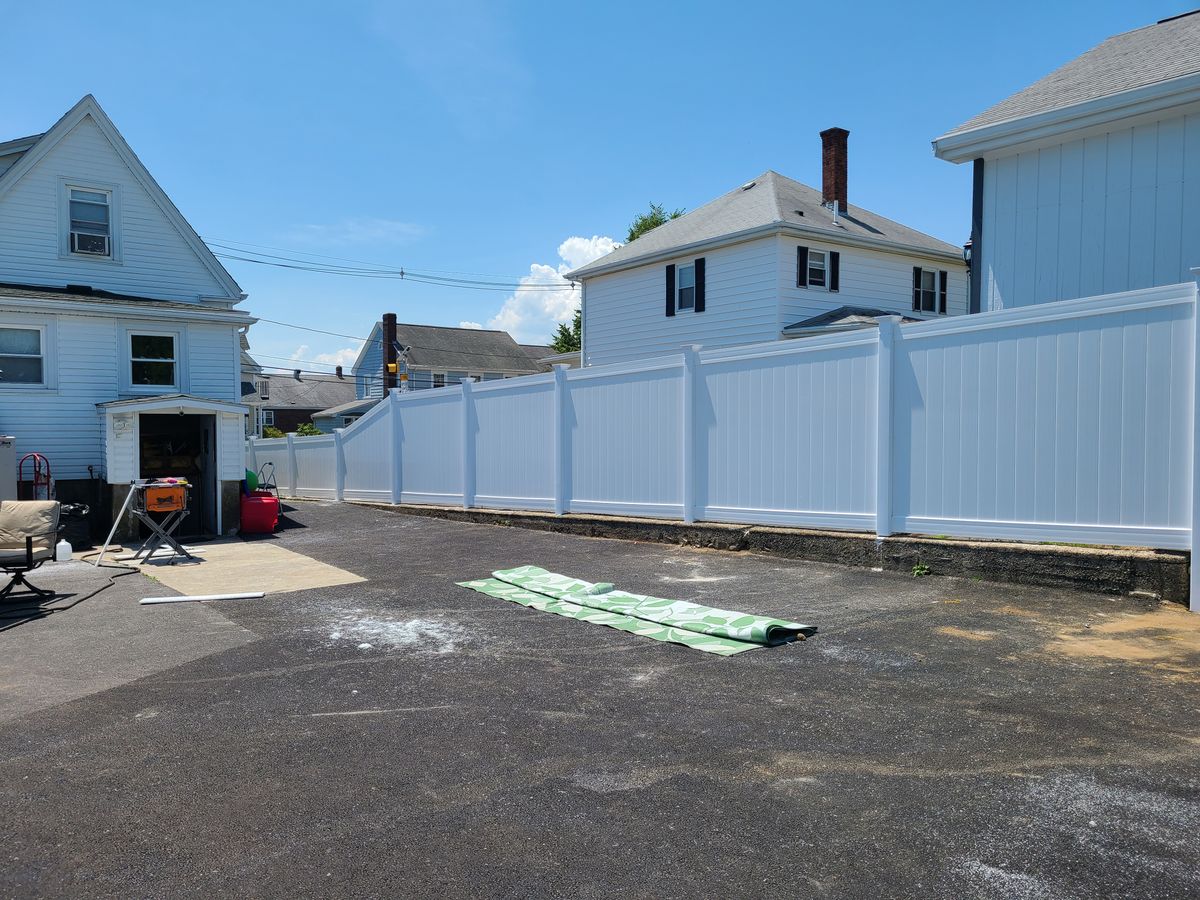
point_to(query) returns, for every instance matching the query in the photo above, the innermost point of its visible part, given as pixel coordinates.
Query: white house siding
(625, 312)
(155, 260)
(867, 278)
(86, 364)
(1095, 215)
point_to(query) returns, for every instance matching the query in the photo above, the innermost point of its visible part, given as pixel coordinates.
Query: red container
(260, 512)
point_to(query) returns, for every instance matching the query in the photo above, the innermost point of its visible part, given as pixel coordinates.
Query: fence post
(397, 445)
(889, 327)
(293, 475)
(560, 438)
(691, 367)
(468, 444)
(1194, 563)
(339, 465)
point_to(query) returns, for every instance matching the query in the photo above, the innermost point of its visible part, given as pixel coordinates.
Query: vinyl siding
(625, 316)
(1111, 212)
(155, 260)
(368, 369)
(868, 278)
(86, 360)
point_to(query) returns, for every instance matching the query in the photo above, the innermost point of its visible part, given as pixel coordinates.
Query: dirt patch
(955, 631)
(1167, 638)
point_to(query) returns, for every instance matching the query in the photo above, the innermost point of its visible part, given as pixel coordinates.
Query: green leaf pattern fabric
(705, 628)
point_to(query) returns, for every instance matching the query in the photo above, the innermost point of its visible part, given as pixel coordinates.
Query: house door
(183, 446)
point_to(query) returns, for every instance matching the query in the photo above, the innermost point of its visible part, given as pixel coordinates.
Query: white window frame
(823, 268)
(44, 356)
(268, 417)
(433, 379)
(350, 420)
(178, 386)
(679, 287)
(65, 186)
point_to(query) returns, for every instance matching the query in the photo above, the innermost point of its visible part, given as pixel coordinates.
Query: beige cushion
(19, 518)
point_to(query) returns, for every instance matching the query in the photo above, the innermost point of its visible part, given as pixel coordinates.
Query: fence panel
(513, 430)
(786, 433)
(270, 455)
(431, 446)
(623, 439)
(316, 467)
(1069, 421)
(367, 451)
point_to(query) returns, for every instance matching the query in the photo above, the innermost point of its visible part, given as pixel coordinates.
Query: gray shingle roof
(844, 317)
(464, 349)
(352, 407)
(307, 392)
(1145, 56)
(773, 199)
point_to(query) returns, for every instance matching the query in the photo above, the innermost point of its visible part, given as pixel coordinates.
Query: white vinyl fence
(1071, 421)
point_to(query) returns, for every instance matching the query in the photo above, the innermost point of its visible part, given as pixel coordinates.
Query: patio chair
(28, 533)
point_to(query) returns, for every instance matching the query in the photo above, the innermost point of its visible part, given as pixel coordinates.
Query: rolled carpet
(706, 628)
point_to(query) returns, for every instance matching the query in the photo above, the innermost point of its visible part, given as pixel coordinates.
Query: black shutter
(942, 292)
(670, 290)
(835, 270)
(699, 264)
(802, 267)
(916, 288)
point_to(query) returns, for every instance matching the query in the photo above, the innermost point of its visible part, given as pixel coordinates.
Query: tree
(569, 338)
(308, 429)
(648, 220)
(270, 431)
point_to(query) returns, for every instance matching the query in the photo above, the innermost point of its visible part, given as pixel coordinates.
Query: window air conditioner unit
(93, 244)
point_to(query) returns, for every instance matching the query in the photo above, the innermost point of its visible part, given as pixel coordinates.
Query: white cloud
(356, 230)
(344, 357)
(545, 298)
(470, 325)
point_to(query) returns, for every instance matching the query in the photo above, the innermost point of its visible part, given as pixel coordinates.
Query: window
(349, 420)
(91, 222)
(268, 417)
(21, 359)
(439, 379)
(685, 289)
(152, 360)
(929, 290)
(455, 377)
(816, 268)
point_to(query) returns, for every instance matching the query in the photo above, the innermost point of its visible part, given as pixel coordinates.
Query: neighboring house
(434, 356)
(288, 400)
(546, 355)
(764, 256)
(120, 347)
(1088, 181)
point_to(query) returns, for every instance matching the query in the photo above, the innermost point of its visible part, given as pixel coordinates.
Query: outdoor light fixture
(966, 253)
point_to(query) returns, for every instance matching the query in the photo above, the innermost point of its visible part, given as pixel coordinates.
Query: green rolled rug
(706, 628)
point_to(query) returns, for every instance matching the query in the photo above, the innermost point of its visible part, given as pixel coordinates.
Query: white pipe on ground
(251, 595)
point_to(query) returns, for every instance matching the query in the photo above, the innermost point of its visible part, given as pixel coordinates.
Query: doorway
(172, 445)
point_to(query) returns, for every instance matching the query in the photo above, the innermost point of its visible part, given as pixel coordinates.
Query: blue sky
(476, 137)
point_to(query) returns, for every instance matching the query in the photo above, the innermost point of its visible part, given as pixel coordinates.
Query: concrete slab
(226, 567)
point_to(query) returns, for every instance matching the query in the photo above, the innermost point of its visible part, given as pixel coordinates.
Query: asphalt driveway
(406, 737)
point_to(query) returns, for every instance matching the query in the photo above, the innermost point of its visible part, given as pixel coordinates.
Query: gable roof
(1162, 52)
(308, 391)
(473, 349)
(764, 204)
(89, 108)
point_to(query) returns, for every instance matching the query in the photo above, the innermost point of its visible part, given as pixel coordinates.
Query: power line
(229, 241)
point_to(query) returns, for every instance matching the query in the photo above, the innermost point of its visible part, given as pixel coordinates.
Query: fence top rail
(1059, 310)
(614, 370)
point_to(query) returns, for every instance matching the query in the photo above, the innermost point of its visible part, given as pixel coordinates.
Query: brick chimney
(833, 166)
